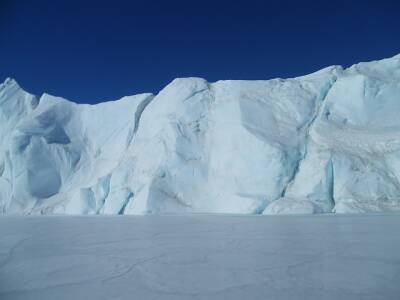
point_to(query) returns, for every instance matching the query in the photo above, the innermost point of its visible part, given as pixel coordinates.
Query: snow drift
(325, 142)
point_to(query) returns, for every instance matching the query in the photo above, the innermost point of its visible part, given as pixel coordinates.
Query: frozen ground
(200, 257)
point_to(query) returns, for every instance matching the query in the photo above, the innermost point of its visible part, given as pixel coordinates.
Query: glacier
(321, 143)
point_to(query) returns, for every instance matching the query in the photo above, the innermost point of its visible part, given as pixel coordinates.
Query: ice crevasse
(320, 143)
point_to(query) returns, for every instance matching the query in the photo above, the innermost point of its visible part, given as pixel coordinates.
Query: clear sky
(91, 51)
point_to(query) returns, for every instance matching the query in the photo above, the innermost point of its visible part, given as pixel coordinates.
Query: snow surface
(200, 257)
(325, 142)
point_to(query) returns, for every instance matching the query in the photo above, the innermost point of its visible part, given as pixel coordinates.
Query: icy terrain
(200, 257)
(325, 142)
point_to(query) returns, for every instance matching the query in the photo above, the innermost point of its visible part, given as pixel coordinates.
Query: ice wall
(325, 142)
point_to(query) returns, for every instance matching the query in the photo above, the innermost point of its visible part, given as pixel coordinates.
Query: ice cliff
(324, 142)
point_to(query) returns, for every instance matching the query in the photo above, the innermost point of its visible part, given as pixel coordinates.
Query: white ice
(325, 142)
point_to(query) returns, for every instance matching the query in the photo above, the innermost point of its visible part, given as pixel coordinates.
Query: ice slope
(325, 142)
(353, 152)
(55, 151)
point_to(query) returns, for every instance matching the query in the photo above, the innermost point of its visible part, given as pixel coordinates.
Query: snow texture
(325, 142)
(200, 257)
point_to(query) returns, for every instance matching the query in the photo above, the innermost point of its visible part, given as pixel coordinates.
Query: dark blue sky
(90, 51)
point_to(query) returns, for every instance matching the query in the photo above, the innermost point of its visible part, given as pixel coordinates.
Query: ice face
(325, 142)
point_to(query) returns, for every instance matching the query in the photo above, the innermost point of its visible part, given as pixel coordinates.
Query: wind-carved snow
(325, 142)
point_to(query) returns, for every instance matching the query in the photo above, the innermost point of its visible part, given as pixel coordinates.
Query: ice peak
(8, 82)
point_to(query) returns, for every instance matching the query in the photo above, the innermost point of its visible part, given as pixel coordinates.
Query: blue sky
(91, 51)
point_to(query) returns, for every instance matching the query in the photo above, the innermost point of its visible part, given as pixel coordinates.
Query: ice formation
(324, 142)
